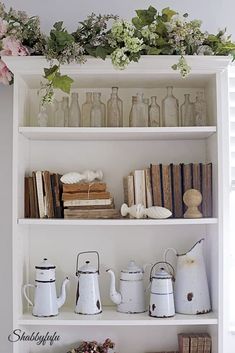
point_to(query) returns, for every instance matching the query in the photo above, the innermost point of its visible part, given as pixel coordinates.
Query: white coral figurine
(87, 176)
(139, 211)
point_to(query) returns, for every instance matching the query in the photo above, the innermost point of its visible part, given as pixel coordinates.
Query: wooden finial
(192, 199)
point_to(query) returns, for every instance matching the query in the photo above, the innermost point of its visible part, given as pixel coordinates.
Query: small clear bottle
(120, 104)
(146, 102)
(42, 116)
(59, 115)
(133, 112)
(86, 110)
(65, 104)
(200, 110)
(74, 112)
(154, 113)
(187, 112)
(97, 111)
(113, 111)
(170, 109)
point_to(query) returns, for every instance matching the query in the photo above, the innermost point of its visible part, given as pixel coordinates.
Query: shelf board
(116, 222)
(110, 317)
(123, 133)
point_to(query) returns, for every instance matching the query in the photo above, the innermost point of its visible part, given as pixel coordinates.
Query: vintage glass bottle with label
(74, 112)
(187, 112)
(97, 111)
(154, 113)
(200, 110)
(86, 110)
(170, 109)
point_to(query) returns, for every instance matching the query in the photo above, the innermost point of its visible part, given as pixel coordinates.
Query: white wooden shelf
(109, 317)
(116, 222)
(123, 133)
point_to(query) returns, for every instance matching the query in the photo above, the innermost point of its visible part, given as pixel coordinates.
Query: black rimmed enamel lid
(45, 265)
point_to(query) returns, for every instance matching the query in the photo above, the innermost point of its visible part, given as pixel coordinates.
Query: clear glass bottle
(120, 104)
(86, 110)
(59, 115)
(113, 111)
(187, 112)
(74, 111)
(97, 111)
(65, 104)
(146, 102)
(132, 116)
(51, 108)
(170, 109)
(154, 113)
(42, 116)
(200, 110)
(139, 112)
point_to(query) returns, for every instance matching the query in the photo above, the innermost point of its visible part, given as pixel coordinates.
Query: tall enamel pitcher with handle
(191, 285)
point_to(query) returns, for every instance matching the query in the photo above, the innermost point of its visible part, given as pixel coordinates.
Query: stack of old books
(164, 185)
(88, 201)
(194, 343)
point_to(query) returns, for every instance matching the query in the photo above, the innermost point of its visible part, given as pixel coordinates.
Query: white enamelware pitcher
(191, 285)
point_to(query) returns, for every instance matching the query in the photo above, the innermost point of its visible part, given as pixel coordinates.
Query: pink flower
(5, 74)
(3, 27)
(12, 46)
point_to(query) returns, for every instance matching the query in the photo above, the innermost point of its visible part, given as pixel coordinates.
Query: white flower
(119, 58)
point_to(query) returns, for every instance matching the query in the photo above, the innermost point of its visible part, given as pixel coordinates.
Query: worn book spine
(58, 196)
(92, 207)
(149, 191)
(177, 191)
(87, 202)
(48, 194)
(26, 198)
(187, 181)
(197, 178)
(92, 214)
(167, 187)
(85, 196)
(200, 343)
(207, 190)
(40, 193)
(193, 343)
(207, 343)
(52, 177)
(184, 343)
(84, 187)
(31, 199)
(139, 186)
(35, 194)
(155, 171)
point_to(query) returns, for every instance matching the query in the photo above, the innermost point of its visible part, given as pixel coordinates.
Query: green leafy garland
(151, 32)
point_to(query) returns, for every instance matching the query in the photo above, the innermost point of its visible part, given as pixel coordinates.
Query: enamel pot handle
(24, 291)
(162, 262)
(88, 252)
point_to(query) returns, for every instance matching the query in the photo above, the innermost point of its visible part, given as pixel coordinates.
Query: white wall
(215, 14)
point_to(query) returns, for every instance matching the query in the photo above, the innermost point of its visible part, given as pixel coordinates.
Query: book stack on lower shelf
(88, 201)
(165, 185)
(195, 343)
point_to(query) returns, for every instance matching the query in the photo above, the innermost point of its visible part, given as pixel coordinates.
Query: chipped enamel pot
(191, 285)
(88, 294)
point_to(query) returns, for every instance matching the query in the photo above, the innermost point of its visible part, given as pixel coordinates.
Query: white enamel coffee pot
(131, 298)
(88, 294)
(46, 302)
(161, 293)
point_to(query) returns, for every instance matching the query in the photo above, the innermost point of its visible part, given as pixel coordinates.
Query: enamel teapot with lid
(88, 294)
(131, 298)
(46, 302)
(191, 286)
(161, 294)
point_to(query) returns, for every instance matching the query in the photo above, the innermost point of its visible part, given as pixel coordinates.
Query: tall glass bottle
(42, 116)
(200, 110)
(139, 112)
(133, 112)
(113, 111)
(187, 112)
(170, 109)
(86, 110)
(154, 113)
(97, 111)
(65, 104)
(74, 112)
(120, 104)
(146, 102)
(59, 115)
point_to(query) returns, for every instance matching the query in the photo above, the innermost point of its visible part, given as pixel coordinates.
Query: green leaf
(137, 23)
(51, 72)
(147, 16)
(62, 82)
(58, 25)
(168, 13)
(101, 53)
(154, 51)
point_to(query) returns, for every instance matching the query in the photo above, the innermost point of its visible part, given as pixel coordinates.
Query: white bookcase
(117, 151)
